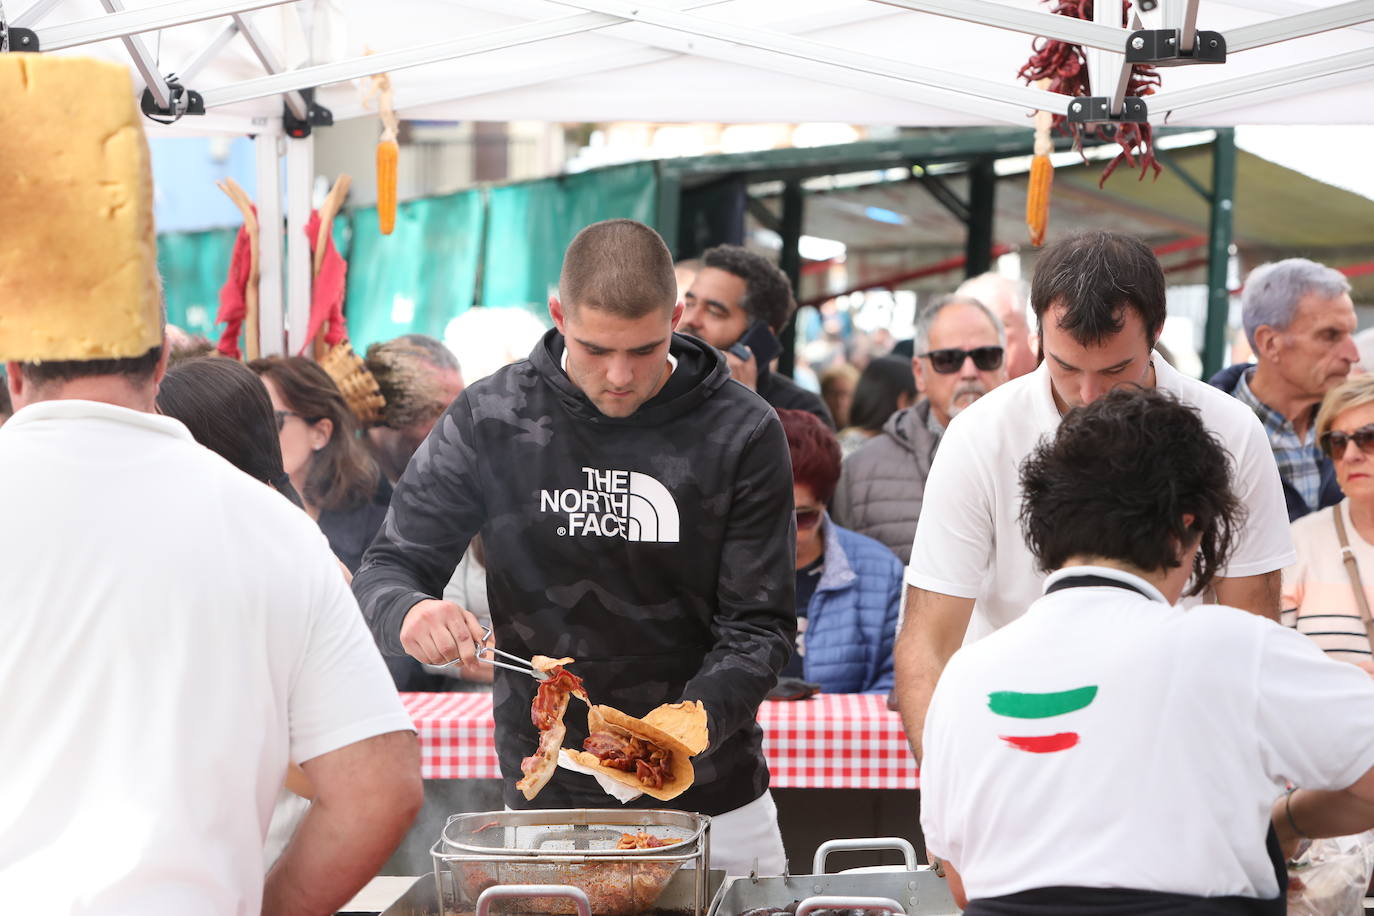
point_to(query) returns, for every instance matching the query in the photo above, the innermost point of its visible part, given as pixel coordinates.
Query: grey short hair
(1273, 290)
(926, 317)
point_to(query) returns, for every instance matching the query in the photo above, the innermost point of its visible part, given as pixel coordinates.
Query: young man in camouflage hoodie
(637, 512)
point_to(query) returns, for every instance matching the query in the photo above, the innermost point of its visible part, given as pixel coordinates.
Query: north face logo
(623, 504)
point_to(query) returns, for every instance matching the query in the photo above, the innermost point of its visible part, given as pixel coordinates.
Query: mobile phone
(760, 341)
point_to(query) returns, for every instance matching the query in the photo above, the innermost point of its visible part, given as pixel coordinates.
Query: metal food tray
(569, 848)
(917, 890)
(677, 899)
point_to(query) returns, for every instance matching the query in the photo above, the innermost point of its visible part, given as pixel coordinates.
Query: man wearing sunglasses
(1299, 319)
(960, 357)
(1099, 301)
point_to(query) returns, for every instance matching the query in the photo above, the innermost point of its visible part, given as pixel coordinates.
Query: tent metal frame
(1104, 41)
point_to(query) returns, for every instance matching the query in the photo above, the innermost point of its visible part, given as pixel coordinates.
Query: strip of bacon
(546, 712)
(639, 840)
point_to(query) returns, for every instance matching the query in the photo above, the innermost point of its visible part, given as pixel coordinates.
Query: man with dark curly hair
(739, 298)
(1105, 711)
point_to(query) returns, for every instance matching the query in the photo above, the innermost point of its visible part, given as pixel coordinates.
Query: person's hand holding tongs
(442, 633)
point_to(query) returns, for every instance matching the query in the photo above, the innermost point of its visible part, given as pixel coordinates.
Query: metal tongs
(486, 654)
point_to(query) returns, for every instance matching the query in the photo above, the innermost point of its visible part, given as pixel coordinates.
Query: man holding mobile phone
(738, 303)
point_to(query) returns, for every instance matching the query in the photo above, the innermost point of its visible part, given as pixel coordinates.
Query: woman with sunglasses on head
(1320, 597)
(328, 463)
(849, 586)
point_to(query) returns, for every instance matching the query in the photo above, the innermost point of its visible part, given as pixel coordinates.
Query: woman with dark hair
(226, 408)
(1109, 752)
(849, 587)
(327, 461)
(887, 385)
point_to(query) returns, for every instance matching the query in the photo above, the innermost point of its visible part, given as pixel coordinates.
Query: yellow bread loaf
(78, 256)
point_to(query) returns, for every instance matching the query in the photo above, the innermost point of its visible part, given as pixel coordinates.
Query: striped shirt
(1298, 458)
(1317, 597)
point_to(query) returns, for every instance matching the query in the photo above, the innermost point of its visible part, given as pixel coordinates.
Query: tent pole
(1219, 250)
(300, 183)
(271, 324)
(982, 193)
(793, 208)
(147, 19)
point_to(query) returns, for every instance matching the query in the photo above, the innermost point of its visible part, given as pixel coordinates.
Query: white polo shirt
(1105, 739)
(173, 632)
(968, 541)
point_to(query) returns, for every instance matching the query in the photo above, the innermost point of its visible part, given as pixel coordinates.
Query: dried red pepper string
(1066, 67)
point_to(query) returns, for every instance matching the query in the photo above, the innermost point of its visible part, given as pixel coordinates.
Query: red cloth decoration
(233, 303)
(327, 295)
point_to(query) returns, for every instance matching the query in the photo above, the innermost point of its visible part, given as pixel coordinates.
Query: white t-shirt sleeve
(954, 535)
(342, 692)
(1264, 544)
(1316, 714)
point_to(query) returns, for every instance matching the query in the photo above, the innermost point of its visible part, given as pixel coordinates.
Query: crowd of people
(688, 523)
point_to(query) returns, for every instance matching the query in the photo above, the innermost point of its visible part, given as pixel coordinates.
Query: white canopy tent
(899, 62)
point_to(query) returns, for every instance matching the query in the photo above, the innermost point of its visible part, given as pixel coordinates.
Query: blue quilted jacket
(852, 619)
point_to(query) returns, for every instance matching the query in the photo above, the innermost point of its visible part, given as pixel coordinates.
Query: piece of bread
(78, 255)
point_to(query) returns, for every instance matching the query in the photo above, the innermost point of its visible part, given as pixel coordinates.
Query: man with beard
(960, 357)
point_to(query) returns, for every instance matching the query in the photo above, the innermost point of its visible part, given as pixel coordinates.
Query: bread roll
(78, 256)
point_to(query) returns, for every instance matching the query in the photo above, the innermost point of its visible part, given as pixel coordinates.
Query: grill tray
(569, 847)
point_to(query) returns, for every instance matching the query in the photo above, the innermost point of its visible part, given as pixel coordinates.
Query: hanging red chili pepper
(1066, 67)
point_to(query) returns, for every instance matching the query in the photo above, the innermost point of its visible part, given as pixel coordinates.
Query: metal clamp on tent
(1098, 109)
(180, 101)
(13, 38)
(315, 116)
(1162, 48)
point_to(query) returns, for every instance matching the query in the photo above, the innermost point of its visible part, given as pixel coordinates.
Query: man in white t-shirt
(1099, 301)
(174, 633)
(1110, 752)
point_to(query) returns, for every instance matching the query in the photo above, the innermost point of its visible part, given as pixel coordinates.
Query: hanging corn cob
(1041, 176)
(379, 85)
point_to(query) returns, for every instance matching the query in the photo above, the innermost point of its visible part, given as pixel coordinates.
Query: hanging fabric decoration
(238, 298)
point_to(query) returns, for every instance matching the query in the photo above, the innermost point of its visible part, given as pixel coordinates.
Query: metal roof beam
(294, 100)
(30, 17)
(147, 19)
(1029, 22)
(208, 53)
(1340, 69)
(1299, 25)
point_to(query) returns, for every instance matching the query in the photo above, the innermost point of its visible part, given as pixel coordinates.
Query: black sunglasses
(946, 361)
(1333, 441)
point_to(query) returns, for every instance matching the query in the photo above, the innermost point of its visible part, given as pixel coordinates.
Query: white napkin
(617, 790)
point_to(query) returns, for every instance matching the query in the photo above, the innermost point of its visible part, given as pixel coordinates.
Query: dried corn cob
(1038, 198)
(387, 152)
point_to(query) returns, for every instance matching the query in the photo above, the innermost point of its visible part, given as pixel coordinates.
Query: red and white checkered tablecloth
(832, 741)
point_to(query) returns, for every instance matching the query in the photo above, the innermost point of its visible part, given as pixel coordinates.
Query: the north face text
(623, 504)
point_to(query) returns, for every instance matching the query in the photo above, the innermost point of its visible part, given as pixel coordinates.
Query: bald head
(1007, 300)
(621, 267)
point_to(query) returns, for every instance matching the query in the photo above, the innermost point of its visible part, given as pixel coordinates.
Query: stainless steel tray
(569, 848)
(918, 890)
(677, 899)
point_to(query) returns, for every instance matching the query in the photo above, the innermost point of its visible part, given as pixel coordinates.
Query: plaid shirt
(1298, 459)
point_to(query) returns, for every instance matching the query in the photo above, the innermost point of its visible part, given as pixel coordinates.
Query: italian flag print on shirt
(1031, 707)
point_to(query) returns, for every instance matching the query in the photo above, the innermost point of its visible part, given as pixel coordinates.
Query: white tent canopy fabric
(853, 61)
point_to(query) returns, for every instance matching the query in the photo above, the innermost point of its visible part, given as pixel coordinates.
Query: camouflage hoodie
(656, 549)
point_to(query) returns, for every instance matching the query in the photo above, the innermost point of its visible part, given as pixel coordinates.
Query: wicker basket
(359, 387)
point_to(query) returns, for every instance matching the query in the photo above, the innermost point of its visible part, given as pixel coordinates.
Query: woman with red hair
(849, 586)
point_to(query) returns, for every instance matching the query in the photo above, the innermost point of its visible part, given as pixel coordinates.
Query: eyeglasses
(1333, 441)
(951, 360)
(282, 415)
(808, 519)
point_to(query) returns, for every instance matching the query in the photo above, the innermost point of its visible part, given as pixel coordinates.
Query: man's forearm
(1315, 814)
(932, 630)
(362, 810)
(1257, 594)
